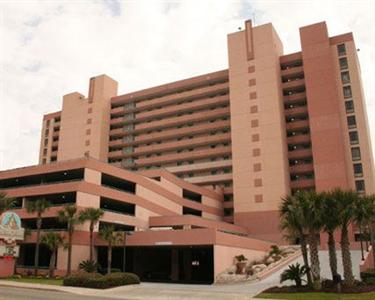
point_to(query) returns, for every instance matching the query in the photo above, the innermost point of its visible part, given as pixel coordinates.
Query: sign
(10, 227)
(163, 243)
(9, 251)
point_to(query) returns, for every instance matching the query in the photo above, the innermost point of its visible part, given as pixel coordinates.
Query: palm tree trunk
(372, 242)
(305, 258)
(52, 264)
(36, 258)
(314, 258)
(69, 269)
(91, 240)
(332, 254)
(109, 258)
(346, 256)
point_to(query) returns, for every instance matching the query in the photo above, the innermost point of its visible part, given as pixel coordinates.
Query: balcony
(289, 85)
(297, 139)
(292, 71)
(191, 155)
(301, 153)
(301, 168)
(300, 110)
(294, 97)
(298, 124)
(168, 133)
(302, 184)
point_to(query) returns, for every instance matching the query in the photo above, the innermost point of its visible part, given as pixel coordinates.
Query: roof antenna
(253, 18)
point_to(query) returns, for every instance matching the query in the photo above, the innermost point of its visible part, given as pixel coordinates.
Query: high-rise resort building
(195, 169)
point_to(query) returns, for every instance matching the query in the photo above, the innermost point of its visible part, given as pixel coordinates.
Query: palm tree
(295, 273)
(6, 202)
(292, 222)
(70, 215)
(39, 206)
(331, 221)
(93, 215)
(53, 241)
(347, 201)
(311, 208)
(112, 237)
(365, 216)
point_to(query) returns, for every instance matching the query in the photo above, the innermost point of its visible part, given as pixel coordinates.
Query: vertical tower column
(324, 109)
(84, 127)
(259, 154)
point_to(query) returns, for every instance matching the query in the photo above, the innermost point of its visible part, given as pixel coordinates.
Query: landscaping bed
(99, 281)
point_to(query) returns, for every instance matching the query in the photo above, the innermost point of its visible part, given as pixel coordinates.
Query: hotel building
(211, 155)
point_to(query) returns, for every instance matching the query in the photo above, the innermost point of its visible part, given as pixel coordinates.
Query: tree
(112, 237)
(294, 273)
(365, 217)
(92, 215)
(39, 206)
(347, 201)
(311, 207)
(331, 221)
(292, 222)
(6, 202)
(53, 241)
(70, 215)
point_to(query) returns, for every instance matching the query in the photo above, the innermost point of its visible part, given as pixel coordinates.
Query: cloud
(48, 49)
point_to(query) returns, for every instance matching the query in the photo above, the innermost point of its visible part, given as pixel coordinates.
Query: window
(356, 153)
(341, 50)
(349, 106)
(358, 170)
(360, 185)
(45, 142)
(353, 137)
(345, 78)
(347, 91)
(45, 151)
(46, 133)
(343, 63)
(351, 121)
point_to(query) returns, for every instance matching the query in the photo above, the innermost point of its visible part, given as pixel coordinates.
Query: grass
(37, 280)
(317, 296)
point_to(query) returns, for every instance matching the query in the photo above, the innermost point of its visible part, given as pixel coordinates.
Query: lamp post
(124, 248)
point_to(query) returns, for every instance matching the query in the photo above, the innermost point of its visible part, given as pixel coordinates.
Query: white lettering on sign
(163, 243)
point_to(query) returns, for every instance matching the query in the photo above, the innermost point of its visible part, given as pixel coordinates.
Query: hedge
(368, 276)
(98, 281)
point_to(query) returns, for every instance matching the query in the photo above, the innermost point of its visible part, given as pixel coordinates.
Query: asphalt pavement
(12, 293)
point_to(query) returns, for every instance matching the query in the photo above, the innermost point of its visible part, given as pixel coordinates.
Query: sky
(52, 48)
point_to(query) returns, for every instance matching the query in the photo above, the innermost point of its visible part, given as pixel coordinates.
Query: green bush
(81, 279)
(98, 281)
(368, 276)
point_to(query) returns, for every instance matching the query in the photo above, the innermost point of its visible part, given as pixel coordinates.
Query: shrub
(368, 276)
(89, 266)
(98, 281)
(275, 250)
(294, 273)
(81, 279)
(240, 258)
(116, 279)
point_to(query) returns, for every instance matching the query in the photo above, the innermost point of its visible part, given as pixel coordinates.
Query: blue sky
(51, 48)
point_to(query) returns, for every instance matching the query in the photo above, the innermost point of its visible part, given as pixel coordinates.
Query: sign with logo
(9, 251)
(10, 228)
